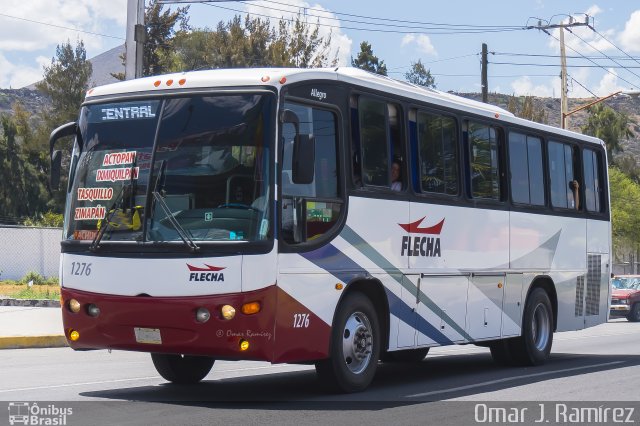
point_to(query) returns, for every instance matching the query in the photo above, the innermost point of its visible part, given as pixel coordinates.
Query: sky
(446, 36)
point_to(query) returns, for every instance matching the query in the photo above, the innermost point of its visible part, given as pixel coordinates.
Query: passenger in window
(574, 201)
(396, 178)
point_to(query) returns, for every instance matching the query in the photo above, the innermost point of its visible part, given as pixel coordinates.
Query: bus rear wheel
(534, 344)
(182, 369)
(355, 346)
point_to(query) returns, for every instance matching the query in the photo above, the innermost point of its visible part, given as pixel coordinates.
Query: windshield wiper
(158, 199)
(95, 244)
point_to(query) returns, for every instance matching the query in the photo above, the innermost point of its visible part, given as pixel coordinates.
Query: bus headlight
(74, 306)
(203, 315)
(93, 310)
(228, 312)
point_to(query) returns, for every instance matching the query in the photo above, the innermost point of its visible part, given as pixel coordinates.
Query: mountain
(103, 65)
(626, 104)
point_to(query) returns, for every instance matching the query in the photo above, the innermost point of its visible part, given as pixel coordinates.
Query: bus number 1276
(300, 320)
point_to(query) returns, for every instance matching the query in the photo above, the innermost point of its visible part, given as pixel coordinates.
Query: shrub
(35, 277)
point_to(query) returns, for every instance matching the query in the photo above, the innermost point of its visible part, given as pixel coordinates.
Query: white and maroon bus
(326, 216)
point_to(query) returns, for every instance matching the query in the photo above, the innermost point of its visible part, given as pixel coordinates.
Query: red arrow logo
(208, 268)
(414, 227)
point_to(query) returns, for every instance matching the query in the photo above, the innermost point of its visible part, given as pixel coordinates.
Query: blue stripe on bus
(406, 314)
(345, 269)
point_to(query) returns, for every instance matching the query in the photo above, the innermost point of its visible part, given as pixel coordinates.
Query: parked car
(625, 297)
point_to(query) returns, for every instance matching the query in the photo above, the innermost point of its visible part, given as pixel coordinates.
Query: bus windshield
(158, 170)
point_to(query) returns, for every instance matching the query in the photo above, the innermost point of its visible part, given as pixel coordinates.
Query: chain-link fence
(24, 249)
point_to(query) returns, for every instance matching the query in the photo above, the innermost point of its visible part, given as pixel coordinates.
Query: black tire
(500, 352)
(534, 344)
(408, 355)
(182, 369)
(355, 346)
(634, 315)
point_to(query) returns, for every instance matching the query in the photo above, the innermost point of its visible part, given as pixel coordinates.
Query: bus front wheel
(534, 344)
(182, 369)
(355, 346)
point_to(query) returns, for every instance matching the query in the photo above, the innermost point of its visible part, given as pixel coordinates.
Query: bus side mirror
(68, 129)
(304, 159)
(56, 166)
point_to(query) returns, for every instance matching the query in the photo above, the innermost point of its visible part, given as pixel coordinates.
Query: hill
(109, 62)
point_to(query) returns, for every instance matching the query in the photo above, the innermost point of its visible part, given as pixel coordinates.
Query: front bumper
(619, 310)
(175, 318)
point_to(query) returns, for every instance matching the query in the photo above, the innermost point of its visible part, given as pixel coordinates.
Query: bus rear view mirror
(56, 166)
(303, 161)
(68, 129)
(303, 167)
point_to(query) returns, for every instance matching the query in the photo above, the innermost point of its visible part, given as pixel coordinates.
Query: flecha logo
(208, 273)
(421, 245)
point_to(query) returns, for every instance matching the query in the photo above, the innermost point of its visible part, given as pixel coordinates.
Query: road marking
(78, 384)
(234, 370)
(510, 379)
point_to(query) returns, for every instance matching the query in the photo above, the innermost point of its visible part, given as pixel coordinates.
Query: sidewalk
(30, 327)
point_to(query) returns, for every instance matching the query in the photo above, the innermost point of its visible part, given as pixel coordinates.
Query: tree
(610, 126)
(66, 82)
(525, 107)
(160, 29)
(420, 76)
(22, 194)
(159, 33)
(367, 61)
(252, 42)
(625, 202)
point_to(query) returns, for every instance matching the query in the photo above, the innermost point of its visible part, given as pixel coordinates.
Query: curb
(24, 342)
(36, 303)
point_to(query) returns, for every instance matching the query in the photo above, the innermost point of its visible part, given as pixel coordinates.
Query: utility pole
(484, 82)
(135, 39)
(564, 91)
(563, 62)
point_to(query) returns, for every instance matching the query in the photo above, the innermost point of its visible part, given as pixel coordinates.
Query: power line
(397, 20)
(602, 53)
(431, 31)
(61, 26)
(568, 66)
(592, 61)
(611, 43)
(538, 55)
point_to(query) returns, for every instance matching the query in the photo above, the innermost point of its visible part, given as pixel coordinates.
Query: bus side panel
(307, 299)
(598, 257)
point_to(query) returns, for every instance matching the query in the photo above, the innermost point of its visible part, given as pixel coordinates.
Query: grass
(22, 291)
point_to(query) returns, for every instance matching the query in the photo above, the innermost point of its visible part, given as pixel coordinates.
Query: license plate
(148, 335)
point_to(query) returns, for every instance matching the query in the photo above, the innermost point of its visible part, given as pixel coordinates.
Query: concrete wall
(24, 249)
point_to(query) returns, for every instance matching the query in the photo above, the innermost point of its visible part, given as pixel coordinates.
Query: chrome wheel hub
(357, 342)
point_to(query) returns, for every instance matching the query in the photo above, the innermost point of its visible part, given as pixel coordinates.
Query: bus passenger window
(381, 143)
(525, 163)
(484, 161)
(373, 134)
(593, 193)
(438, 155)
(563, 176)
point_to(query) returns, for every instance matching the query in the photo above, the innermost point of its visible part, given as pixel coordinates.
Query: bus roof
(278, 77)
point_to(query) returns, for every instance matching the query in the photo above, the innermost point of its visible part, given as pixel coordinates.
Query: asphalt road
(599, 364)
